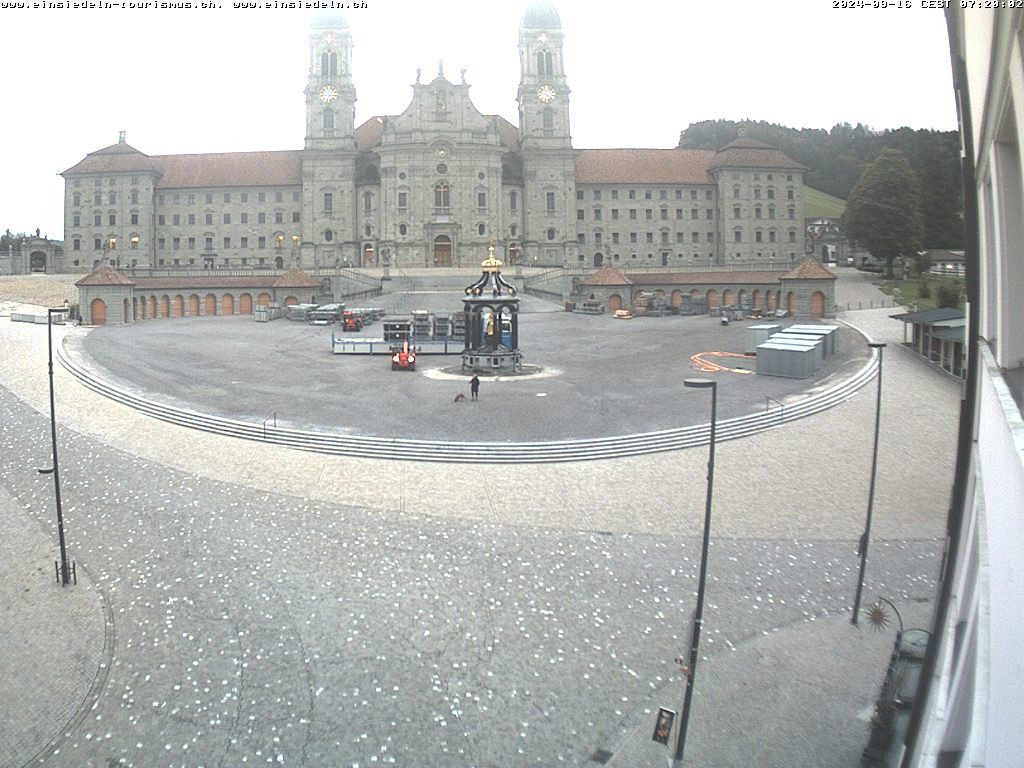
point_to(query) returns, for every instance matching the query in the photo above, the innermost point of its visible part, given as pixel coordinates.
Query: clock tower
(329, 159)
(543, 94)
(330, 94)
(549, 161)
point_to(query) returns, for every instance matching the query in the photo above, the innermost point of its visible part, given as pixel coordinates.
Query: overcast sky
(192, 81)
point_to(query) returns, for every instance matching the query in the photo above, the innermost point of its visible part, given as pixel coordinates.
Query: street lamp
(65, 571)
(862, 549)
(698, 613)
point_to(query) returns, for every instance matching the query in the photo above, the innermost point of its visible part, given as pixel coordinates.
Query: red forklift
(351, 321)
(403, 357)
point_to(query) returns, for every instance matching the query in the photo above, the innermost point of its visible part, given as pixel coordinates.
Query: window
(792, 236)
(328, 120)
(97, 244)
(735, 193)
(192, 218)
(632, 214)
(632, 194)
(191, 198)
(244, 197)
(707, 194)
(771, 211)
(615, 238)
(694, 213)
(209, 198)
(191, 243)
(581, 238)
(278, 197)
(227, 218)
(597, 194)
(550, 206)
(97, 220)
(403, 201)
(664, 237)
(113, 198)
(208, 244)
(160, 244)
(771, 236)
(789, 194)
(244, 217)
(632, 237)
(176, 219)
(737, 236)
(77, 220)
(757, 193)
(442, 197)
(113, 219)
(176, 243)
(615, 194)
(736, 212)
(579, 194)
(77, 199)
(647, 194)
(579, 214)
(757, 237)
(262, 218)
(650, 237)
(76, 244)
(403, 230)
(757, 212)
(695, 237)
(663, 194)
(481, 200)
(261, 197)
(244, 243)
(771, 194)
(97, 199)
(227, 197)
(548, 121)
(693, 194)
(481, 230)
(792, 213)
(615, 214)
(329, 201)
(135, 197)
(513, 201)
(598, 238)
(295, 217)
(597, 214)
(367, 202)
(649, 213)
(261, 242)
(551, 233)
(278, 217)
(711, 237)
(710, 214)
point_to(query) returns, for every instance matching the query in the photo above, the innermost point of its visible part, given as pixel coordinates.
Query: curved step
(403, 449)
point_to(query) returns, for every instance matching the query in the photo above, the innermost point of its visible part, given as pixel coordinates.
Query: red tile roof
(643, 166)
(230, 169)
(293, 278)
(105, 276)
(700, 278)
(809, 270)
(117, 158)
(748, 153)
(607, 276)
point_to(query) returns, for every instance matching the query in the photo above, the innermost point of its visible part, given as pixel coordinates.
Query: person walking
(474, 387)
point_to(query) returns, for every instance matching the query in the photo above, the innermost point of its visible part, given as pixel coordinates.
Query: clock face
(546, 93)
(329, 38)
(328, 94)
(543, 37)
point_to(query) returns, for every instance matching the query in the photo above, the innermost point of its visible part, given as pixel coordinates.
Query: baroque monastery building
(434, 186)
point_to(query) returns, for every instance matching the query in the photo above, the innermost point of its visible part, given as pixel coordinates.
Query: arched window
(548, 118)
(334, 63)
(551, 233)
(442, 197)
(481, 229)
(328, 119)
(367, 201)
(324, 64)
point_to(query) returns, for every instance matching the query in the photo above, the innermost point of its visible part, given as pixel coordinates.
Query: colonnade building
(435, 185)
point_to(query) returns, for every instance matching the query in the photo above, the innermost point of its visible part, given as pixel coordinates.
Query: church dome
(329, 20)
(541, 14)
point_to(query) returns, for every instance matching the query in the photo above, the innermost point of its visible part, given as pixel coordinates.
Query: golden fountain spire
(491, 264)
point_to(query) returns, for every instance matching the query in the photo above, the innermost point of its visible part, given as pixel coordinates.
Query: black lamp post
(698, 613)
(65, 571)
(866, 536)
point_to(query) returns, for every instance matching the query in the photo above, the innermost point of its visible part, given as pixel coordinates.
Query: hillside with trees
(836, 159)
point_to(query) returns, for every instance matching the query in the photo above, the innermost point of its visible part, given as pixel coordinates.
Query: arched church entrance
(37, 261)
(442, 251)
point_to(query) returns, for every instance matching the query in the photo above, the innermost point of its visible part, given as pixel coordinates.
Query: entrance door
(598, 259)
(37, 262)
(442, 251)
(98, 310)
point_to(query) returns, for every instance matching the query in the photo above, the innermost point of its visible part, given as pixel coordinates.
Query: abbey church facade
(434, 186)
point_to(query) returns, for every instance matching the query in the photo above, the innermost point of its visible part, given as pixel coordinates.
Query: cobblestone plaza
(241, 603)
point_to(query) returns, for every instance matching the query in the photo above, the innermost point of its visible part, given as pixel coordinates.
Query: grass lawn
(908, 292)
(818, 203)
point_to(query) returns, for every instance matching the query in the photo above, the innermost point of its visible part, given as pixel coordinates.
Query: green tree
(948, 295)
(883, 212)
(10, 239)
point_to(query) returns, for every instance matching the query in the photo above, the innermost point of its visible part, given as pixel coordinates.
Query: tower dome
(541, 14)
(329, 20)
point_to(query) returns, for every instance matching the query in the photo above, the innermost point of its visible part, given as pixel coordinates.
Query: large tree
(883, 212)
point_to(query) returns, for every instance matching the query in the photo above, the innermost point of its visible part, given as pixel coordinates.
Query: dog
(460, 398)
